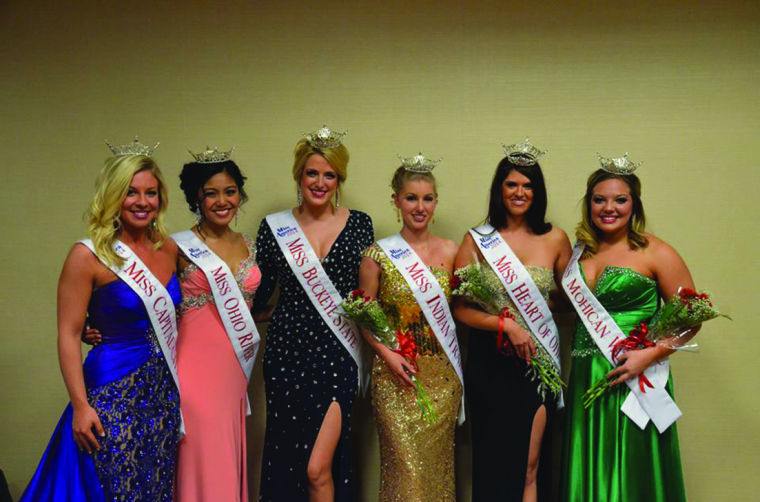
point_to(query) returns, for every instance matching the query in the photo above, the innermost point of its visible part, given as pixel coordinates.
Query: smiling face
(417, 201)
(219, 199)
(142, 202)
(319, 181)
(517, 193)
(611, 206)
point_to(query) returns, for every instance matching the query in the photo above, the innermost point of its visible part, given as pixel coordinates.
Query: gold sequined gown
(416, 458)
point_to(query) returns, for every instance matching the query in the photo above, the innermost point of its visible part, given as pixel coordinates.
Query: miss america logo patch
(487, 241)
(286, 230)
(197, 252)
(397, 254)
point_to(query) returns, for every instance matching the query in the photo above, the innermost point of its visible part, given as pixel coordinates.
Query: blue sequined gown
(130, 387)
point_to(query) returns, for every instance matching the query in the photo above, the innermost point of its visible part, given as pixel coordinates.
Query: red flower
(357, 293)
(454, 282)
(688, 295)
(407, 347)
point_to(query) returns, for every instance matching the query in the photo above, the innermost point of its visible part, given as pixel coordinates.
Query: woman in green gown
(607, 457)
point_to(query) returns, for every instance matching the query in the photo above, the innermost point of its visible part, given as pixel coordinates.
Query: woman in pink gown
(212, 455)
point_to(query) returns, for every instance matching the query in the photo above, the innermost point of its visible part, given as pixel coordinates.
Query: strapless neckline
(607, 270)
(173, 278)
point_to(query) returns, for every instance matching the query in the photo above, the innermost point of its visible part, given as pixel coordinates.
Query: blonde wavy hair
(337, 158)
(587, 233)
(104, 222)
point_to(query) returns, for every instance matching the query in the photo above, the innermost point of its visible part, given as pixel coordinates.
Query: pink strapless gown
(211, 464)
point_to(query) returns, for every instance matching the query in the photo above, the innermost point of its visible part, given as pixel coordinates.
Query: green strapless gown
(606, 456)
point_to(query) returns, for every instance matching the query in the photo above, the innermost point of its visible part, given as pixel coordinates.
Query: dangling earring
(299, 197)
(398, 215)
(198, 216)
(337, 198)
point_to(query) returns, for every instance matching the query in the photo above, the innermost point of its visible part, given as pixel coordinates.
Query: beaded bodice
(629, 296)
(399, 304)
(196, 291)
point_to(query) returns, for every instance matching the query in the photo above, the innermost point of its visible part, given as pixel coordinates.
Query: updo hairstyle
(402, 176)
(195, 174)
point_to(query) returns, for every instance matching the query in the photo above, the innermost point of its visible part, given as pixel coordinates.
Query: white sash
(316, 283)
(431, 299)
(229, 301)
(521, 289)
(654, 404)
(156, 299)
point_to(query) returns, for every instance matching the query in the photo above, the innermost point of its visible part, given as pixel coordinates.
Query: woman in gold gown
(417, 457)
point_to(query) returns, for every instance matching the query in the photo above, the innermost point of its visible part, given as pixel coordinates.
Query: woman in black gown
(508, 415)
(310, 378)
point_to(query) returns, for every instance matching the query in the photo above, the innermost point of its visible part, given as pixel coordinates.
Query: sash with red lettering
(229, 301)
(654, 404)
(521, 289)
(316, 283)
(157, 300)
(431, 299)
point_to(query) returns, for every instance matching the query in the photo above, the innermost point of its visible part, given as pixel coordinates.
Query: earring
(337, 198)
(198, 216)
(398, 215)
(299, 197)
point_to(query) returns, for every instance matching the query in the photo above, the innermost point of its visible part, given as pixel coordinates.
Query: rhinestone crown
(133, 148)
(325, 138)
(523, 154)
(418, 163)
(211, 156)
(618, 165)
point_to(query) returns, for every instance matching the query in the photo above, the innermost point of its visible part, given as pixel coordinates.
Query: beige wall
(674, 83)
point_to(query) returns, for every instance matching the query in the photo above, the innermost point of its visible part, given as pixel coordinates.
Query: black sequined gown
(306, 367)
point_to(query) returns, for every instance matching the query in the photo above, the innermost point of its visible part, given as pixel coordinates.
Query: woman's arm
(560, 242)
(369, 281)
(474, 317)
(265, 258)
(74, 291)
(671, 273)
(464, 311)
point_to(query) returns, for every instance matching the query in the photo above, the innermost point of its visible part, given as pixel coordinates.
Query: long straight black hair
(536, 215)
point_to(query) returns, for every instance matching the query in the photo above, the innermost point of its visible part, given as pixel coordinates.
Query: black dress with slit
(305, 366)
(503, 401)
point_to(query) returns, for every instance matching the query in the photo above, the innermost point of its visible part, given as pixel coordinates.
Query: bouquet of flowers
(672, 326)
(368, 314)
(479, 284)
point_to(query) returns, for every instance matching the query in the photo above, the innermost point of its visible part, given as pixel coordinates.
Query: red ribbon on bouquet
(636, 340)
(503, 344)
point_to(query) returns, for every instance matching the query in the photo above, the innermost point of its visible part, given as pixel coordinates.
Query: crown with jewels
(133, 148)
(418, 163)
(325, 138)
(523, 154)
(211, 156)
(618, 165)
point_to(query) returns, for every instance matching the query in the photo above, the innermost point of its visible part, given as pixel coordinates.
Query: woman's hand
(84, 420)
(399, 366)
(91, 336)
(521, 341)
(632, 363)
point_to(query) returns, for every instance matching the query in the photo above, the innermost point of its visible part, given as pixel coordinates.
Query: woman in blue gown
(117, 437)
